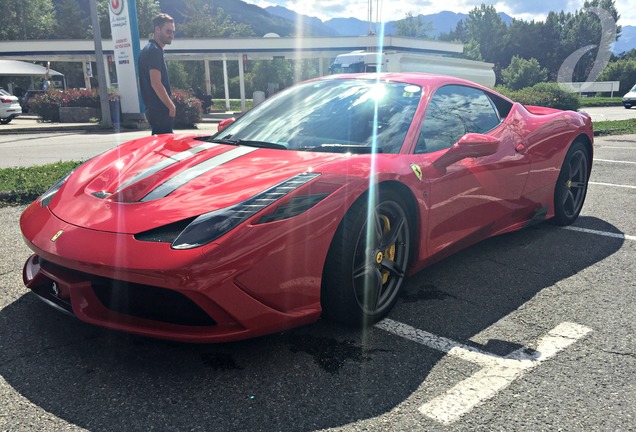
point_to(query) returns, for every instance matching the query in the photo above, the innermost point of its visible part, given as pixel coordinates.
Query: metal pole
(242, 81)
(226, 85)
(101, 71)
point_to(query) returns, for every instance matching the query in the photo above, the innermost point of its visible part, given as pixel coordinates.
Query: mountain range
(285, 22)
(442, 22)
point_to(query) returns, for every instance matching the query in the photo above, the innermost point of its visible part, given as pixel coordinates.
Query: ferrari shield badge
(417, 170)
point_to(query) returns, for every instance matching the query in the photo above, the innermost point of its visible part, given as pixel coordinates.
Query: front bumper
(154, 311)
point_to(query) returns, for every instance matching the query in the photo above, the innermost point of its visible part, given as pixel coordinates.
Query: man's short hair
(161, 19)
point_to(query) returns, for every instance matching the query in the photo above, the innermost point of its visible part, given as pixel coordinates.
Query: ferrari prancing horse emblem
(417, 170)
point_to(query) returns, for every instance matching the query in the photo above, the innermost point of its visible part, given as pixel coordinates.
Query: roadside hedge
(549, 95)
(47, 105)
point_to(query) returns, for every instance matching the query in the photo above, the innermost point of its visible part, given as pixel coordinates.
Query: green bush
(623, 70)
(189, 109)
(549, 95)
(47, 105)
(523, 73)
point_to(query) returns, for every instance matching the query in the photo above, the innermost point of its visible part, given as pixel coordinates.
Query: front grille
(149, 302)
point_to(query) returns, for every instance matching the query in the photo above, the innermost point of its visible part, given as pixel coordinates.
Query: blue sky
(390, 10)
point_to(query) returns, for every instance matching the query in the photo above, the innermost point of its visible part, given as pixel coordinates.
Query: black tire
(628, 106)
(6, 120)
(364, 271)
(571, 186)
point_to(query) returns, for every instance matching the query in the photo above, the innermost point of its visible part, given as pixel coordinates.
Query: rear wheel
(571, 186)
(367, 261)
(6, 120)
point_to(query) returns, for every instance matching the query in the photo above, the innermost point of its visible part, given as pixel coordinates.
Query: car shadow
(316, 377)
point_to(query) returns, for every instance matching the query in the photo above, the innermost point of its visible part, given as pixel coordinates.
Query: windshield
(338, 68)
(336, 115)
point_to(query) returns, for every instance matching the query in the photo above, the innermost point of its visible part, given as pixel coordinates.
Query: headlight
(191, 233)
(47, 196)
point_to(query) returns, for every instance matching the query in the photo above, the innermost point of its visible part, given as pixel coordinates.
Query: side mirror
(225, 123)
(471, 145)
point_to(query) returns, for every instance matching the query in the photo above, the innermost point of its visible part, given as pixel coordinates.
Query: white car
(9, 107)
(629, 100)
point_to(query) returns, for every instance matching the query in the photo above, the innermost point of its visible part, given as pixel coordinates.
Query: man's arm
(160, 90)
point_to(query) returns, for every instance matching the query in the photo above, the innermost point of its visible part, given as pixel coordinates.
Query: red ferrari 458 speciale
(322, 199)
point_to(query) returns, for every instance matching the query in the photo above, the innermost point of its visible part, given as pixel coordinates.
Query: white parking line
(602, 233)
(613, 185)
(497, 372)
(614, 161)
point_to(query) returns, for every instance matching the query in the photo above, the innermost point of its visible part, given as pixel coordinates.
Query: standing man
(153, 77)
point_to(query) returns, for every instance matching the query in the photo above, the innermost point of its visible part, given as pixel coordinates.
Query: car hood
(630, 95)
(157, 180)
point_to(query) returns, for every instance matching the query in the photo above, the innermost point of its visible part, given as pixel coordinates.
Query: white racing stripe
(184, 177)
(497, 372)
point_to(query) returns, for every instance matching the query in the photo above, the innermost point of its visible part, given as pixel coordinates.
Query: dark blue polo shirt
(151, 57)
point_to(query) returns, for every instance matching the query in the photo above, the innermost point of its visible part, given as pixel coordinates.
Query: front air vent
(164, 234)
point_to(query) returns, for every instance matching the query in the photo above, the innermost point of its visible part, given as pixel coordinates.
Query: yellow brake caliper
(389, 253)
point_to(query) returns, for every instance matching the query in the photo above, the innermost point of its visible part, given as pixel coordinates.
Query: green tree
(552, 42)
(70, 22)
(179, 77)
(587, 37)
(623, 70)
(484, 25)
(25, 20)
(523, 73)
(460, 34)
(277, 71)
(472, 51)
(414, 26)
(201, 20)
(524, 39)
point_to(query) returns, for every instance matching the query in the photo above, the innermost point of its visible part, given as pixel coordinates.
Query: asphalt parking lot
(529, 331)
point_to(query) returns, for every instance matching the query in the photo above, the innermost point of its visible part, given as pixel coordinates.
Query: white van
(629, 100)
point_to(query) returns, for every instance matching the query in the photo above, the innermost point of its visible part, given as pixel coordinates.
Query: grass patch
(617, 127)
(23, 185)
(235, 104)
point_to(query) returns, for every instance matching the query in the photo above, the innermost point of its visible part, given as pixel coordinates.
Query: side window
(454, 111)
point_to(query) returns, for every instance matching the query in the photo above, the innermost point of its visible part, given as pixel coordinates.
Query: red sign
(116, 6)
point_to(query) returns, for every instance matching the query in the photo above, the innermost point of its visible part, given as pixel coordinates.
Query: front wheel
(6, 120)
(367, 260)
(571, 186)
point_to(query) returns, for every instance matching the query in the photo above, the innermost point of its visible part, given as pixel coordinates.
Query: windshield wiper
(249, 143)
